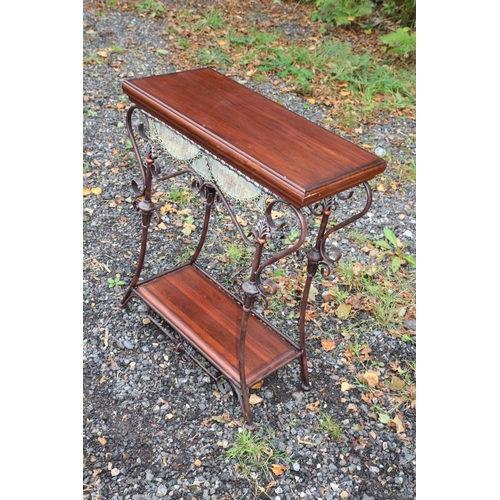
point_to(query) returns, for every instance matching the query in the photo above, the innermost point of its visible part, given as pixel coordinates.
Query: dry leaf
(242, 221)
(96, 190)
(197, 463)
(399, 425)
(310, 100)
(396, 383)
(328, 345)
(86, 191)
(313, 406)
(254, 399)
(278, 469)
(345, 386)
(369, 377)
(258, 385)
(381, 188)
(102, 440)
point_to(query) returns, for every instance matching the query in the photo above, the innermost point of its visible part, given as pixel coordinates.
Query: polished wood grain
(210, 318)
(282, 151)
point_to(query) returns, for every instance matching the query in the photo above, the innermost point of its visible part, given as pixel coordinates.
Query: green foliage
(403, 11)
(212, 18)
(179, 196)
(112, 282)
(237, 253)
(341, 12)
(214, 56)
(150, 7)
(253, 449)
(345, 12)
(390, 295)
(401, 42)
(332, 426)
(394, 249)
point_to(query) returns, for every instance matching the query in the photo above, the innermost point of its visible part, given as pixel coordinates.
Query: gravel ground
(154, 425)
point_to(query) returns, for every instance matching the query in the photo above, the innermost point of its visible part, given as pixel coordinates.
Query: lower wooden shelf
(209, 318)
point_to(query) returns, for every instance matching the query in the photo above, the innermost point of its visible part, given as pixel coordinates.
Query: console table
(237, 146)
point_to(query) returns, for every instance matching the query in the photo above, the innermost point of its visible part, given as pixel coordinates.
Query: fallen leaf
(381, 188)
(343, 311)
(97, 190)
(258, 385)
(102, 440)
(345, 386)
(311, 100)
(313, 407)
(86, 191)
(396, 383)
(254, 399)
(328, 345)
(242, 221)
(197, 463)
(399, 425)
(370, 377)
(278, 469)
(384, 418)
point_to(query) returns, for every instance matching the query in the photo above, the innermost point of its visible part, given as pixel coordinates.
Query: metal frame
(254, 287)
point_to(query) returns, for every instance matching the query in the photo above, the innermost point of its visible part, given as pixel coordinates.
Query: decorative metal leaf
(262, 229)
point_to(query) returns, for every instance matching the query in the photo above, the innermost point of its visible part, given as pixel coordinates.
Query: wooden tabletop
(282, 151)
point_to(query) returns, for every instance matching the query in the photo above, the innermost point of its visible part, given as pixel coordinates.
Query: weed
(212, 18)
(237, 253)
(359, 238)
(387, 295)
(150, 7)
(395, 249)
(186, 255)
(292, 237)
(89, 112)
(332, 426)
(213, 55)
(341, 12)
(278, 272)
(93, 59)
(401, 42)
(113, 282)
(179, 196)
(253, 450)
(117, 49)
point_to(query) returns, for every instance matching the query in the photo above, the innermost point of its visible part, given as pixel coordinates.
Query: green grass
(152, 8)
(254, 450)
(237, 252)
(390, 295)
(212, 18)
(331, 426)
